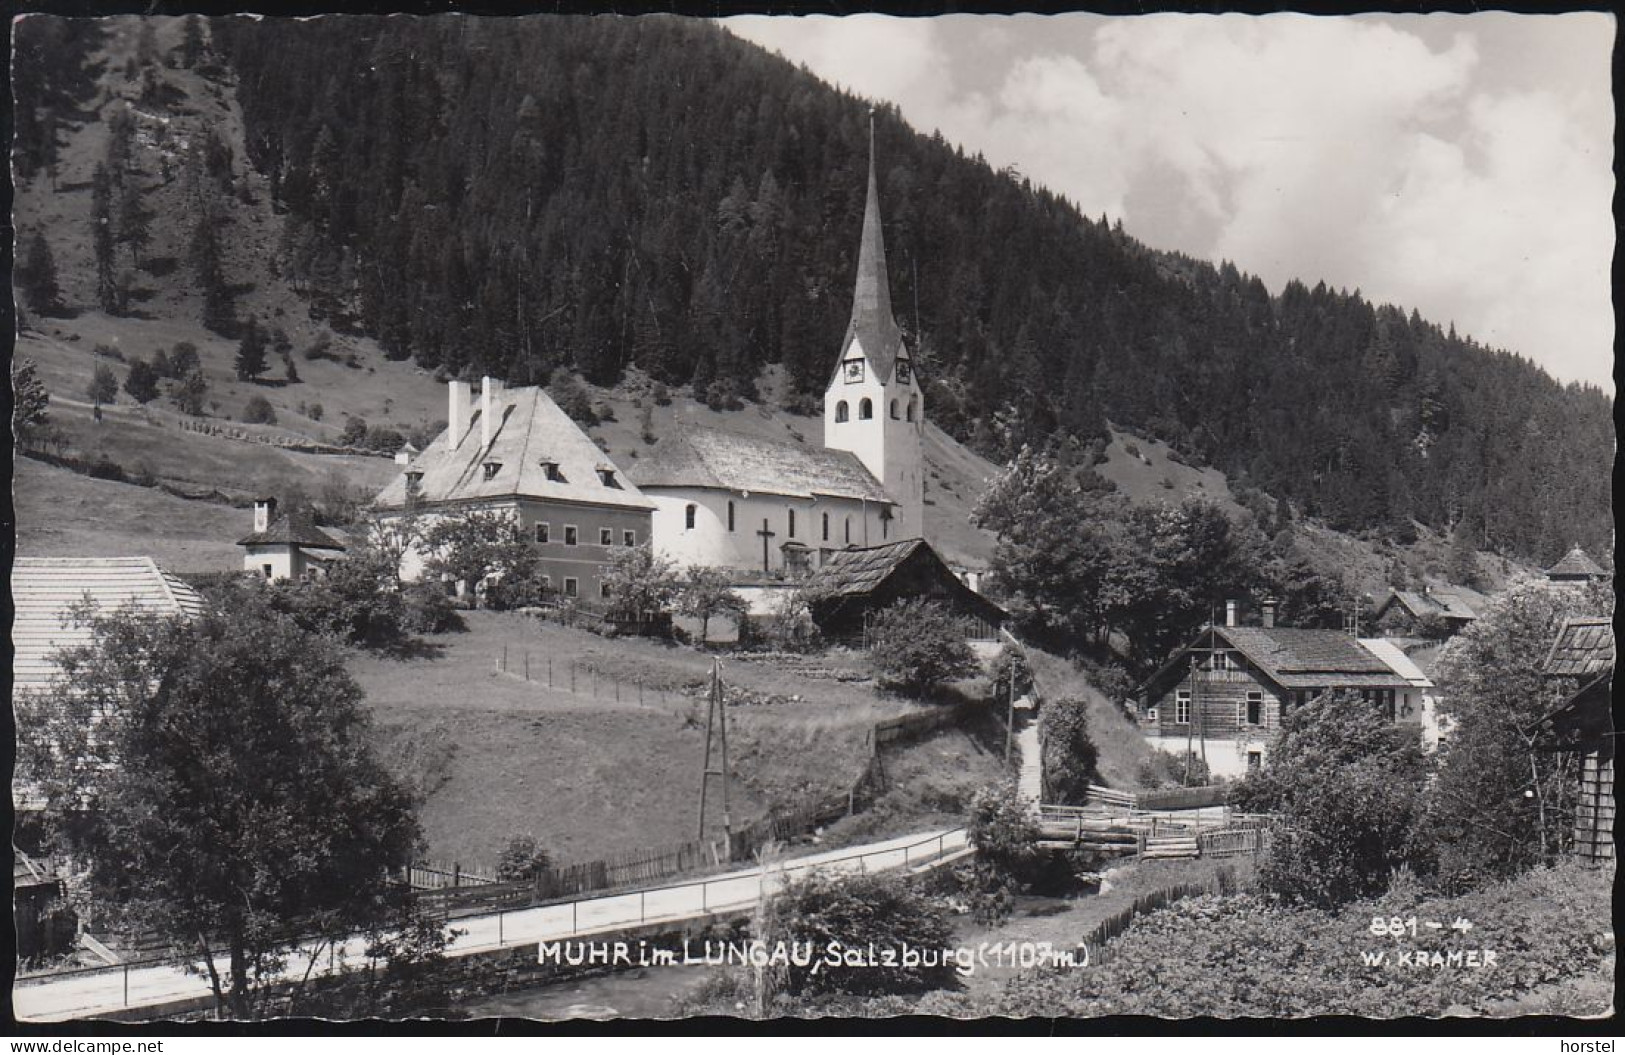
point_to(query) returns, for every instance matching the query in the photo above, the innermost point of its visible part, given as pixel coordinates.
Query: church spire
(872, 322)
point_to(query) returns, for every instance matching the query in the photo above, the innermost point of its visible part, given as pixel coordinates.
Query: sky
(1460, 165)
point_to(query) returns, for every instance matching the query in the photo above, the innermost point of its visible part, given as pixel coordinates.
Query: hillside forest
(515, 196)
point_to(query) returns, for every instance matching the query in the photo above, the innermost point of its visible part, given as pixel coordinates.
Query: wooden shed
(1584, 724)
(856, 584)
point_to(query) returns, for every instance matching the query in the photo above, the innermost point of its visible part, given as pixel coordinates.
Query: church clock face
(853, 371)
(904, 371)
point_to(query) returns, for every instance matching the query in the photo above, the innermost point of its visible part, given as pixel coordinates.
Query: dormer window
(606, 476)
(491, 470)
(414, 482)
(550, 469)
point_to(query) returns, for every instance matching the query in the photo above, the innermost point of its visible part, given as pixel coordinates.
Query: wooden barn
(856, 584)
(1584, 649)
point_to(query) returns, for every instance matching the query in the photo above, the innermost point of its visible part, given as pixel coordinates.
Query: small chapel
(730, 500)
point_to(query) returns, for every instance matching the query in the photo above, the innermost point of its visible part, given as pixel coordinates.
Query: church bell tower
(874, 406)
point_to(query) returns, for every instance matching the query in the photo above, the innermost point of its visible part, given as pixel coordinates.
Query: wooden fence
(1231, 842)
(463, 889)
(1184, 798)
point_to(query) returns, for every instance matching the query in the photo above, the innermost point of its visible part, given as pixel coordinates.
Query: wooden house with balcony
(1223, 695)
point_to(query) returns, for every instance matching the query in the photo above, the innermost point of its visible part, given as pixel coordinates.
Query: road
(110, 990)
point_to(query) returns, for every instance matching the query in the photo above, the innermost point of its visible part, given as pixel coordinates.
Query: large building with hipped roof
(514, 452)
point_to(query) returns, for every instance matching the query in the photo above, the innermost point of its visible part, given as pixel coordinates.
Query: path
(102, 991)
(1030, 782)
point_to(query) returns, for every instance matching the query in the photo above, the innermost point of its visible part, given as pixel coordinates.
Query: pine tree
(141, 382)
(250, 353)
(103, 385)
(192, 43)
(37, 277)
(30, 399)
(101, 231)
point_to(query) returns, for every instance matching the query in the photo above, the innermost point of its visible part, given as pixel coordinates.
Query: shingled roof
(859, 571)
(872, 323)
(1584, 647)
(695, 456)
(45, 590)
(1296, 659)
(1576, 564)
(530, 433)
(294, 528)
(1446, 604)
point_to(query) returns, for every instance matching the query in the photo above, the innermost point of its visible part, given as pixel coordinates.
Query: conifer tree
(250, 353)
(37, 277)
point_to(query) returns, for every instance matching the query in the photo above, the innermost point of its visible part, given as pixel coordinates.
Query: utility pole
(716, 724)
(1010, 716)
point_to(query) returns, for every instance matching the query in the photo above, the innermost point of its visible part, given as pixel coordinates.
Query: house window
(543, 531)
(267, 569)
(826, 527)
(688, 517)
(730, 514)
(894, 410)
(547, 582)
(603, 591)
(629, 538)
(570, 535)
(842, 412)
(1255, 708)
(606, 537)
(491, 470)
(1182, 706)
(1150, 714)
(572, 588)
(1255, 761)
(866, 409)
(792, 513)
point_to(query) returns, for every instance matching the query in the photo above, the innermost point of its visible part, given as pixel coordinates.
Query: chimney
(457, 402)
(264, 513)
(1269, 613)
(490, 403)
(1229, 613)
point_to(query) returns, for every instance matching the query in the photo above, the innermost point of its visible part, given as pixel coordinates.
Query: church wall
(710, 543)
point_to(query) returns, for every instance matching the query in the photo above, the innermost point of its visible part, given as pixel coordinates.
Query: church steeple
(872, 323)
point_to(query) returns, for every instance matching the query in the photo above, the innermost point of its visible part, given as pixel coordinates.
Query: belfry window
(910, 411)
(894, 410)
(842, 412)
(866, 410)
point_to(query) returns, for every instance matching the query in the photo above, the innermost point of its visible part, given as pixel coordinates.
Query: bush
(1344, 783)
(521, 858)
(855, 912)
(314, 412)
(917, 645)
(351, 603)
(1070, 756)
(141, 382)
(258, 411)
(425, 609)
(1164, 769)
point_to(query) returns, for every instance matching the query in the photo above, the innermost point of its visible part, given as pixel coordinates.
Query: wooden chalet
(1227, 691)
(1584, 724)
(1404, 613)
(854, 585)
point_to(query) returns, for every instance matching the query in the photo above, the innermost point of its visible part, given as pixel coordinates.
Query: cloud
(1459, 166)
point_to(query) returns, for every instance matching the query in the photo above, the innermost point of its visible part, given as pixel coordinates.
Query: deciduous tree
(216, 775)
(918, 645)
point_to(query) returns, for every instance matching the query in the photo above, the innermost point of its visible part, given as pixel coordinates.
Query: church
(704, 496)
(729, 500)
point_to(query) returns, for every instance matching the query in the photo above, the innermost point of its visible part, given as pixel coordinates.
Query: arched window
(730, 515)
(826, 527)
(688, 517)
(911, 408)
(849, 531)
(866, 410)
(894, 410)
(792, 513)
(841, 412)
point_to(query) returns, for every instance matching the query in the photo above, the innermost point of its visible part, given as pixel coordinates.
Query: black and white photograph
(558, 521)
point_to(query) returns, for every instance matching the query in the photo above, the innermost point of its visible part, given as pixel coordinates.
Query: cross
(766, 534)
